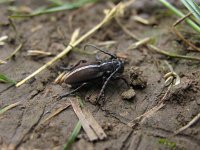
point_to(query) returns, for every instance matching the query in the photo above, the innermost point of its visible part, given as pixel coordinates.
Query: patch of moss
(167, 143)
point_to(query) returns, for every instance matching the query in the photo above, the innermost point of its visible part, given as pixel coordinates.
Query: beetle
(85, 72)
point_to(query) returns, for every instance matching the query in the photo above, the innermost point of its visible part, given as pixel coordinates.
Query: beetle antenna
(113, 56)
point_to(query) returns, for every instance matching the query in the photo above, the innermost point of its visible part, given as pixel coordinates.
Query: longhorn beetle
(84, 72)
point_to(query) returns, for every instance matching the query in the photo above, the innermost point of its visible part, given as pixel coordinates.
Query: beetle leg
(65, 95)
(106, 82)
(74, 66)
(71, 92)
(123, 79)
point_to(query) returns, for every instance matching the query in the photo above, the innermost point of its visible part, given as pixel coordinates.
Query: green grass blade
(180, 14)
(56, 2)
(5, 79)
(73, 136)
(192, 7)
(65, 6)
(166, 142)
(6, 1)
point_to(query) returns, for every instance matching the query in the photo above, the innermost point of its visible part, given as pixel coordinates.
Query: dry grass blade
(141, 20)
(2, 39)
(140, 43)
(96, 127)
(16, 50)
(2, 62)
(173, 55)
(55, 113)
(5, 109)
(107, 18)
(38, 53)
(135, 37)
(106, 43)
(84, 122)
(145, 115)
(89, 124)
(36, 28)
(75, 42)
(181, 36)
(60, 55)
(195, 119)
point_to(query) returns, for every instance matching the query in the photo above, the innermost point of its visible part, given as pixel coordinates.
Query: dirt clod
(128, 95)
(137, 79)
(91, 96)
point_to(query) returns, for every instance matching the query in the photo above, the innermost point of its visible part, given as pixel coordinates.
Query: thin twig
(171, 75)
(16, 50)
(140, 43)
(126, 30)
(55, 113)
(181, 36)
(2, 111)
(173, 55)
(195, 119)
(150, 112)
(180, 14)
(181, 19)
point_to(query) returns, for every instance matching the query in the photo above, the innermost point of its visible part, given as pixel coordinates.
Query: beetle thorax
(111, 66)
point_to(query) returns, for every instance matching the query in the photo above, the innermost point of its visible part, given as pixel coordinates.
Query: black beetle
(84, 72)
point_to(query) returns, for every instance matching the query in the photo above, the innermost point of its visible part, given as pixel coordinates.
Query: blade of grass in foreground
(5, 79)
(73, 136)
(192, 7)
(180, 14)
(65, 6)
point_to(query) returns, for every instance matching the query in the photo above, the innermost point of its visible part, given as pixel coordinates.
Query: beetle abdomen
(83, 74)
